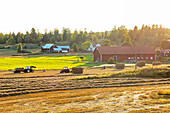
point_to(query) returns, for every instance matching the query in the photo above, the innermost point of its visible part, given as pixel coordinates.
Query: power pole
(135, 54)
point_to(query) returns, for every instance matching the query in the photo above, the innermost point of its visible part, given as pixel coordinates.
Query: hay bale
(140, 64)
(120, 66)
(77, 70)
(156, 63)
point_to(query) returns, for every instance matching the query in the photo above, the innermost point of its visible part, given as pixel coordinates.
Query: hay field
(123, 99)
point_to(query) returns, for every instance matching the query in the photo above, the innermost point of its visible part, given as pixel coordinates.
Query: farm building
(63, 49)
(54, 48)
(48, 48)
(124, 53)
(165, 52)
(93, 46)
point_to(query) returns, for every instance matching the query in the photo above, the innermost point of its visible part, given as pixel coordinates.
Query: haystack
(77, 70)
(140, 64)
(156, 63)
(120, 66)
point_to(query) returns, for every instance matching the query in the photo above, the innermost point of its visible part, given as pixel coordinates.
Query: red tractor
(65, 70)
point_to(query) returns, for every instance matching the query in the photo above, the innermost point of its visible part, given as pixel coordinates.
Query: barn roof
(126, 50)
(47, 46)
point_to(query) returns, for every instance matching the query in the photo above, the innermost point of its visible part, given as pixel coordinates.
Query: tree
(85, 45)
(106, 43)
(106, 34)
(1, 39)
(19, 47)
(75, 47)
(127, 41)
(66, 34)
(165, 44)
(10, 41)
(114, 35)
(33, 36)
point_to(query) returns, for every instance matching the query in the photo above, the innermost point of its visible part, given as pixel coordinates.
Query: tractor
(27, 69)
(65, 70)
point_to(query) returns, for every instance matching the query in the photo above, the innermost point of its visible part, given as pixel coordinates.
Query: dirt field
(51, 91)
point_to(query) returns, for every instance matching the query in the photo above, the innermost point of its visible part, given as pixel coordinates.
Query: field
(63, 93)
(57, 62)
(146, 89)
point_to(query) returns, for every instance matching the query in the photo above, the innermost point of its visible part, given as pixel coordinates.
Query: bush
(120, 66)
(75, 47)
(156, 63)
(110, 61)
(140, 64)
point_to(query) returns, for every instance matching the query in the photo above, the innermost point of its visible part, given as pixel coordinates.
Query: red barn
(48, 47)
(124, 53)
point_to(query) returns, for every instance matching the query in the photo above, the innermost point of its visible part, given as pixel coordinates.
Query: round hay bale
(120, 66)
(141, 63)
(77, 70)
(156, 63)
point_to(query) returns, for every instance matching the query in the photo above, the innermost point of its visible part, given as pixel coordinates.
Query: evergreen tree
(19, 48)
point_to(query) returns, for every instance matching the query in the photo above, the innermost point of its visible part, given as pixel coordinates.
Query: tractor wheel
(28, 71)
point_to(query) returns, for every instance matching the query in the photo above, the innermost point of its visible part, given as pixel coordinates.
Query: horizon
(95, 15)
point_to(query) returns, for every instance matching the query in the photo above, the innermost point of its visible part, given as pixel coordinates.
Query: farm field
(57, 62)
(52, 91)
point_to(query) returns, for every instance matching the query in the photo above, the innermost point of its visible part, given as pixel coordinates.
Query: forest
(154, 35)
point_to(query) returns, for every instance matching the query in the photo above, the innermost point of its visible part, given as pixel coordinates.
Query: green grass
(46, 62)
(6, 50)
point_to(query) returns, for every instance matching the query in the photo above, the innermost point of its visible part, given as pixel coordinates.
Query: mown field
(57, 62)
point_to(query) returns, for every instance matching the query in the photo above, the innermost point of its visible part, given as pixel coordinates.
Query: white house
(93, 46)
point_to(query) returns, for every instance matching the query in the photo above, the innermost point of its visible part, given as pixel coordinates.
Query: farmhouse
(63, 49)
(93, 46)
(124, 53)
(54, 48)
(165, 52)
(48, 48)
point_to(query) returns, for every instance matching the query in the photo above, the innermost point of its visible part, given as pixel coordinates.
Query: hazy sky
(96, 15)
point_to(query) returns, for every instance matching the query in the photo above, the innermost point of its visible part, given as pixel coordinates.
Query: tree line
(154, 36)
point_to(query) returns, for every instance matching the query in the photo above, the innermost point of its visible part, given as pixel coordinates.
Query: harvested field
(54, 92)
(124, 99)
(24, 83)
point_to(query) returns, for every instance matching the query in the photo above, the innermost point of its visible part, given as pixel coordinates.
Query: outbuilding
(48, 47)
(124, 53)
(165, 52)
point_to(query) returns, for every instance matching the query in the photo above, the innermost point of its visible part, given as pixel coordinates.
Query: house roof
(126, 50)
(47, 46)
(67, 47)
(94, 45)
(57, 49)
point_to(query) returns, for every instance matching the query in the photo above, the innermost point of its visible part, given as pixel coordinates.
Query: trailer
(27, 69)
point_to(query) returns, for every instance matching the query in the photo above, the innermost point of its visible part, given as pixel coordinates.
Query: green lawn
(46, 62)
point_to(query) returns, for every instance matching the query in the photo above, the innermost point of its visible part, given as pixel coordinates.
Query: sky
(94, 15)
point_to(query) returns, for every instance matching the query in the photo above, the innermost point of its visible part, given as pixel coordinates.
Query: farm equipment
(27, 69)
(65, 70)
